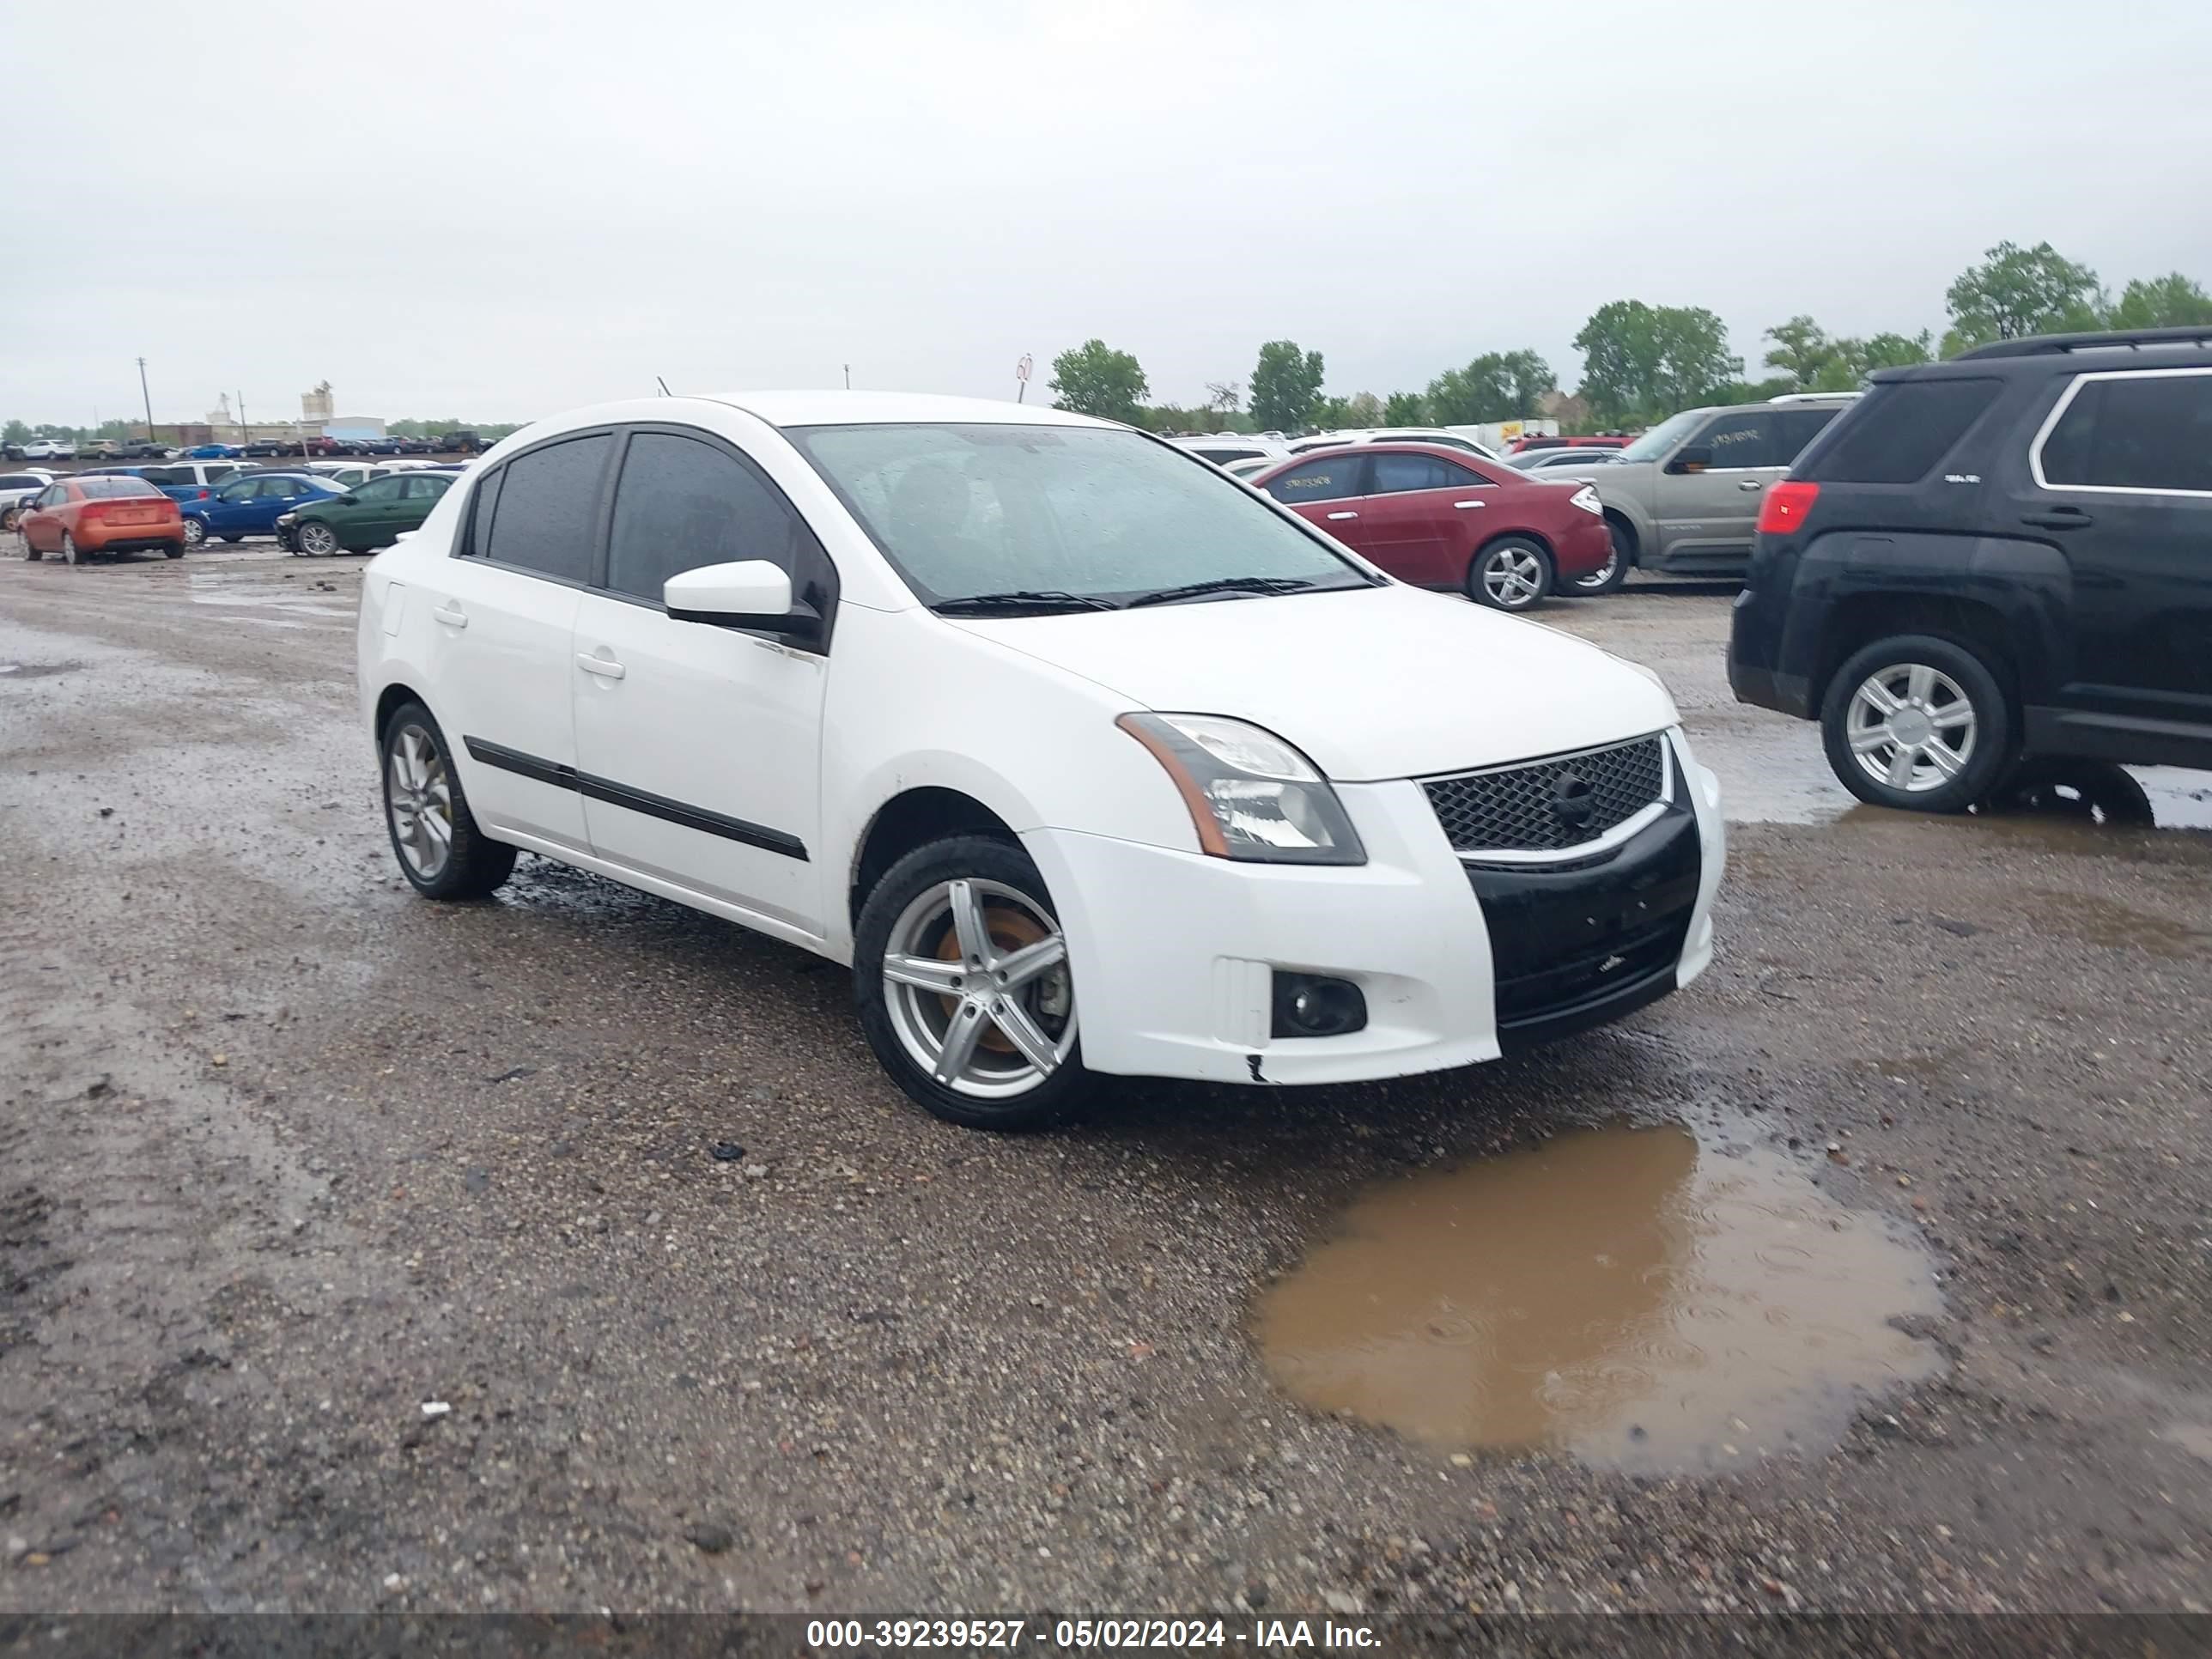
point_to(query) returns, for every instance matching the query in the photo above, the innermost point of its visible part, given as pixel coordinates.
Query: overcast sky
(497, 213)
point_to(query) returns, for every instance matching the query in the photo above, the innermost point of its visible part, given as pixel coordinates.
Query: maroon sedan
(1441, 518)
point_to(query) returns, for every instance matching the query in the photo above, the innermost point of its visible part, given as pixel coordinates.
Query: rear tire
(433, 834)
(173, 550)
(71, 553)
(1917, 724)
(1510, 574)
(995, 991)
(195, 533)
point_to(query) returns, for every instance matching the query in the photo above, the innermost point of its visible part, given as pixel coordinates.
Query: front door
(699, 747)
(366, 520)
(1707, 514)
(501, 621)
(2121, 482)
(1422, 516)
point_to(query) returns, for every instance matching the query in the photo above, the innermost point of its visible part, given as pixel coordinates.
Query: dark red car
(77, 518)
(1607, 440)
(1441, 518)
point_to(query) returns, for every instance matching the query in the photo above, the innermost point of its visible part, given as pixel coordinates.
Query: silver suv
(1684, 496)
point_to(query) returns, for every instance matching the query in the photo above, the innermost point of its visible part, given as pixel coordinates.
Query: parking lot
(721, 1321)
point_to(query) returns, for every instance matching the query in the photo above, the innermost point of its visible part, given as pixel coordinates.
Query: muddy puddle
(1621, 1295)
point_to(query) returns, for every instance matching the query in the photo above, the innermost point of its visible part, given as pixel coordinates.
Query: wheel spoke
(1952, 716)
(1920, 682)
(967, 1024)
(968, 925)
(1878, 698)
(1901, 762)
(1946, 760)
(1010, 1017)
(924, 974)
(1018, 968)
(441, 833)
(1873, 738)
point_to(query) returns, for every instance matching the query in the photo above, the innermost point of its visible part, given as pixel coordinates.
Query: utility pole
(148, 397)
(241, 419)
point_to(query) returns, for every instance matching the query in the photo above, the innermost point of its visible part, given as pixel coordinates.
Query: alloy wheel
(1513, 577)
(420, 794)
(1911, 727)
(195, 532)
(975, 981)
(316, 539)
(1602, 575)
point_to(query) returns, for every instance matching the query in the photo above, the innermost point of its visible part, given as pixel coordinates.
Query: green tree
(1893, 351)
(1329, 414)
(1643, 362)
(1802, 351)
(2169, 302)
(16, 431)
(2018, 291)
(1285, 383)
(1406, 409)
(1094, 378)
(1498, 385)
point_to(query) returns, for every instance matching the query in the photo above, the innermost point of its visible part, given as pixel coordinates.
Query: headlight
(1586, 498)
(1252, 797)
(284, 519)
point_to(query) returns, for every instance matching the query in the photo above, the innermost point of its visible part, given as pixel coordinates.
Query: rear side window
(428, 486)
(1741, 440)
(1331, 480)
(1899, 432)
(2134, 432)
(378, 490)
(549, 509)
(683, 503)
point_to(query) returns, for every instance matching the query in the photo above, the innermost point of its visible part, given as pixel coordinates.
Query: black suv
(2003, 557)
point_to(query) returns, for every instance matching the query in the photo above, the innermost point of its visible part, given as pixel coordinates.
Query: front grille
(1539, 807)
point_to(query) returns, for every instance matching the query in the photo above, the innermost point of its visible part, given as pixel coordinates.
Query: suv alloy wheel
(1917, 723)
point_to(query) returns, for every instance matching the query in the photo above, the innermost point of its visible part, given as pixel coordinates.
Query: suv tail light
(1786, 506)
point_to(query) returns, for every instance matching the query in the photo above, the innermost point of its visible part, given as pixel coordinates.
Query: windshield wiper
(1225, 584)
(1021, 602)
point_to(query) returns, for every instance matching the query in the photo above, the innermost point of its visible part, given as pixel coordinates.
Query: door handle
(605, 667)
(451, 616)
(2059, 518)
(1334, 517)
(1752, 484)
(1463, 506)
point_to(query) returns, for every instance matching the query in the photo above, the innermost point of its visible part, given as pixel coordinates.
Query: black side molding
(636, 800)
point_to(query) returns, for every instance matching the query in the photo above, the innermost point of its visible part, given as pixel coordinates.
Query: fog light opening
(1315, 1005)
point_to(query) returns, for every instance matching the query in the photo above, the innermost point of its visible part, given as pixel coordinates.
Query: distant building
(353, 427)
(316, 407)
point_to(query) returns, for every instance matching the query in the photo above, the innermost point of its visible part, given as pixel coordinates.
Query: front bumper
(1174, 953)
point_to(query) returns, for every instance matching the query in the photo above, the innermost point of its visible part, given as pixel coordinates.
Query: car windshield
(1661, 438)
(1063, 517)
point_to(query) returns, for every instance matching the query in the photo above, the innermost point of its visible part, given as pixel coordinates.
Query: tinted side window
(683, 503)
(1745, 439)
(428, 486)
(379, 489)
(1899, 432)
(1331, 480)
(1393, 473)
(481, 511)
(2137, 432)
(1795, 428)
(549, 509)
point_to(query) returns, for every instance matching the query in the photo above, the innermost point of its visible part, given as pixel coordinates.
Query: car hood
(1370, 683)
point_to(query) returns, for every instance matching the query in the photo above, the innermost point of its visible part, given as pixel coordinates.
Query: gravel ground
(287, 1153)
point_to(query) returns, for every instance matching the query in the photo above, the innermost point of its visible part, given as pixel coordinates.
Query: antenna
(663, 385)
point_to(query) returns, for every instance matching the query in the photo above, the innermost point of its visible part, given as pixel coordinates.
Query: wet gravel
(719, 1322)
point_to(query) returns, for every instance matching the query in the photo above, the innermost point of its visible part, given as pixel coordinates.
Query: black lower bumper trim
(1517, 1037)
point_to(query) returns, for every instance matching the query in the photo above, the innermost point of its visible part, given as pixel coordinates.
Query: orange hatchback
(77, 518)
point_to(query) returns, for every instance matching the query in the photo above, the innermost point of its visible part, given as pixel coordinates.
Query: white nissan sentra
(1088, 759)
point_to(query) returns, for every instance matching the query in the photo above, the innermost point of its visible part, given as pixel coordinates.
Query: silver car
(1683, 497)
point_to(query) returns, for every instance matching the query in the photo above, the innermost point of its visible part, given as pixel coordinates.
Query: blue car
(213, 452)
(249, 505)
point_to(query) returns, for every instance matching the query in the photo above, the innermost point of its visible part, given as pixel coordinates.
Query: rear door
(699, 746)
(1327, 490)
(370, 520)
(2120, 478)
(1706, 515)
(501, 651)
(1422, 516)
(420, 492)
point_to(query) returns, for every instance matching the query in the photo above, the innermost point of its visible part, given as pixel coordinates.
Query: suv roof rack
(1810, 396)
(2043, 345)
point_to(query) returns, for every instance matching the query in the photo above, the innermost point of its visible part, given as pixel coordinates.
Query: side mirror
(748, 593)
(1692, 458)
(348, 500)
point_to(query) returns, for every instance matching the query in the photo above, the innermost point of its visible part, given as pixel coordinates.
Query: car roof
(833, 408)
(1385, 445)
(2067, 353)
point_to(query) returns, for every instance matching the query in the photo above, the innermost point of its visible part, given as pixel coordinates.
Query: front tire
(434, 835)
(1510, 574)
(316, 539)
(1917, 724)
(1615, 569)
(239, 538)
(960, 977)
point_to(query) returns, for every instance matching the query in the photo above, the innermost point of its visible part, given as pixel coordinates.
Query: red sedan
(1441, 518)
(77, 518)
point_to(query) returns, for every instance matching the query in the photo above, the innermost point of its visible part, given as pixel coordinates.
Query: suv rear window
(1899, 431)
(2134, 432)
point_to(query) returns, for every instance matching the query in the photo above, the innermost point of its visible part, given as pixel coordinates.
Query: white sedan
(1086, 758)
